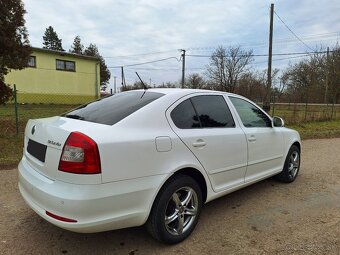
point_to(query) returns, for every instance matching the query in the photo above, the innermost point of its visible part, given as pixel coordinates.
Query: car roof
(179, 91)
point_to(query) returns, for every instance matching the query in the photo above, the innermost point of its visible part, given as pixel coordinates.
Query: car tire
(291, 167)
(176, 210)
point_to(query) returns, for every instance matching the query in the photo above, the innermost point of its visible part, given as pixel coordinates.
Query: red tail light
(80, 155)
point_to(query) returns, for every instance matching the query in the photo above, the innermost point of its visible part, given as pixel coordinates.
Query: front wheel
(291, 166)
(176, 210)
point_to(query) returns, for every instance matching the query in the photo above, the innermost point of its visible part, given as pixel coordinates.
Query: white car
(150, 157)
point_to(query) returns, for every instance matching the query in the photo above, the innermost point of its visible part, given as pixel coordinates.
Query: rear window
(110, 110)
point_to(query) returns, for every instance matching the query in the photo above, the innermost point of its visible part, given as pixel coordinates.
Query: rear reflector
(60, 218)
(80, 155)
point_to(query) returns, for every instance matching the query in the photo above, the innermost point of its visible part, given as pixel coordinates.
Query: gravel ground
(266, 218)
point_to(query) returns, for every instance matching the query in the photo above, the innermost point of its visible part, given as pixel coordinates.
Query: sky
(129, 32)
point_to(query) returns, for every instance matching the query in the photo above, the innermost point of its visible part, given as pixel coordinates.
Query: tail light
(80, 155)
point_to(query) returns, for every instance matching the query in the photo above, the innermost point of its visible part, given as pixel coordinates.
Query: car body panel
(138, 155)
(224, 171)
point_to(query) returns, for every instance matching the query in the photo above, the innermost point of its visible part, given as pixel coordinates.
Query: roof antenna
(144, 87)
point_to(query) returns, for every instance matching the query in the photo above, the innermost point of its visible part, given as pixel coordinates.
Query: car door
(205, 124)
(265, 142)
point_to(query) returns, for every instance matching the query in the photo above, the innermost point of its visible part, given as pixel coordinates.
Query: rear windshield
(110, 110)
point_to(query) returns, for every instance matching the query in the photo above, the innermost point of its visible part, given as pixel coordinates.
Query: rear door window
(213, 111)
(184, 115)
(206, 111)
(110, 110)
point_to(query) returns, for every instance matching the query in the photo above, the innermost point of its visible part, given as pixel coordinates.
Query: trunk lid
(44, 142)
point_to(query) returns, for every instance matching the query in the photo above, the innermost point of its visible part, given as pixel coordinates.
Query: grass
(318, 129)
(295, 114)
(11, 144)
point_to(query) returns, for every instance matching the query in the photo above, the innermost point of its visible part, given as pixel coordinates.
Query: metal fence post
(273, 110)
(16, 109)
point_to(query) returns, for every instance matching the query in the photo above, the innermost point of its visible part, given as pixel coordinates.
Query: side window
(250, 115)
(212, 111)
(184, 115)
(32, 62)
(202, 112)
(65, 65)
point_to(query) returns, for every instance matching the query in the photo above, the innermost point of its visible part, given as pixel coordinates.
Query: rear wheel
(291, 166)
(176, 210)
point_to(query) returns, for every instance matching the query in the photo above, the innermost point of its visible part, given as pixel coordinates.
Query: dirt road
(265, 218)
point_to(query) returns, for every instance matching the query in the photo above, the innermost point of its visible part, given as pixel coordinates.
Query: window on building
(65, 65)
(31, 62)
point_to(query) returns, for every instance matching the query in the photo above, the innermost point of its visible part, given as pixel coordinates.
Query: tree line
(313, 79)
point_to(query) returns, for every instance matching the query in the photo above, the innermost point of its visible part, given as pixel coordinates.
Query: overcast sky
(123, 30)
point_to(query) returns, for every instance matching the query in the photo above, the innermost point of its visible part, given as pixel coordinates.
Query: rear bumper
(96, 207)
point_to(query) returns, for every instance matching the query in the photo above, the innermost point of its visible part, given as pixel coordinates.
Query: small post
(326, 85)
(16, 109)
(114, 84)
(273, 110)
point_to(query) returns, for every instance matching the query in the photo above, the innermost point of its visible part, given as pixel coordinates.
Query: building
(57, 77)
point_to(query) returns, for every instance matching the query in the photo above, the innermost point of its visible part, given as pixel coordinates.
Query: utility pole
(150, 83)
(266, 105)
(114, 84)
(183, 67)
(327, 78)
(123, 78)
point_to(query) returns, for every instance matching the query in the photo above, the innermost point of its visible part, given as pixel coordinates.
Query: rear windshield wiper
(74, 116)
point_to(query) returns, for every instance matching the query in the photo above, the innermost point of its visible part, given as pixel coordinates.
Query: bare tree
(333, 68)
(306, 79)
(195, 81)
(251, 85)
(226, 65)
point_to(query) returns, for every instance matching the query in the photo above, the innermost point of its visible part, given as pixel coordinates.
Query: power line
(264, 55)
(144, 63)
(155, 69)
(297, 54)
(142, 54)
(209, 48)
(292, 31)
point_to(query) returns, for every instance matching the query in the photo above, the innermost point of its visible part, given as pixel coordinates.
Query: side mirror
(278, 122)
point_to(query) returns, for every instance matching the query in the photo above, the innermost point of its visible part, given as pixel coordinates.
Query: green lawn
(318, 129)
(295, 114)
(11, 144)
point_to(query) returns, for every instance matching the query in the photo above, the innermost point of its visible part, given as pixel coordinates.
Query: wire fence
(24, 106)
(14, 115)
(299, 113)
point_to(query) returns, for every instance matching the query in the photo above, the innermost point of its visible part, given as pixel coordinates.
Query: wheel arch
(198, 177)
(193, 173)
(297, 144)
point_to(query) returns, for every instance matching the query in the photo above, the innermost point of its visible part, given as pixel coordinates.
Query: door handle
(252, 138)
(199, 143)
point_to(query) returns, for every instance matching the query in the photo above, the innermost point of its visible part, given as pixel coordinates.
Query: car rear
(61, 175)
